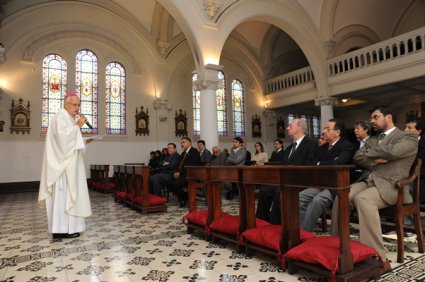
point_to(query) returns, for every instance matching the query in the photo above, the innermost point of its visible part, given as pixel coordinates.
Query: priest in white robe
(63, 185)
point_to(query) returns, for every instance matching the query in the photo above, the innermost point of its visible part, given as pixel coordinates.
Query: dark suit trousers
(158, 181)
(265, 200)
(176, 187)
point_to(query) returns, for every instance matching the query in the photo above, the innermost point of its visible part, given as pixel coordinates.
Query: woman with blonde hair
(260, 157)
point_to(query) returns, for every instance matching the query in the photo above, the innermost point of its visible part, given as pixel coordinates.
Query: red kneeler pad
(230, 224)
(325, 251)
(121, 195)
(200, 218)
(269, 236)
(153, 200)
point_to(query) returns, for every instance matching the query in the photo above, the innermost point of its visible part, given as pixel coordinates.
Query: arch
(327, 18)
(207, 43)
(411, 18)
(36, 44)
(354, 36)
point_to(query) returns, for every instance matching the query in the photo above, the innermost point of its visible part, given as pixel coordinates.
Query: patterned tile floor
(123, 245)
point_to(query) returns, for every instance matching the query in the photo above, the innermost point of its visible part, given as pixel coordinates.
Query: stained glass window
(221, 106)
(115, 99)
(238, 108)
(54, 87)
(316, 126)
(86, 87)
(196, 97)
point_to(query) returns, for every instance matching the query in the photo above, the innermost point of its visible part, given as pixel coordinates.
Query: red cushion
(121, 195)
(230, 224)
(269, 236)
(108, 186)
(153, 200)
(325, 251)
(130, 197)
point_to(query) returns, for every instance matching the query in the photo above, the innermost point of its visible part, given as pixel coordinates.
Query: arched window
(54, 87)
(115, 99)
(196, 98)
(238, 106)
(86, 87)
(221, 106)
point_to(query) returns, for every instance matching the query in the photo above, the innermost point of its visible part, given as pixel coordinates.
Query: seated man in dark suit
(164, 174)
(189, 157)
(362, 132)
(337, 151)
(203, 152)
(417, 126)
(303, 151)
(277, 155)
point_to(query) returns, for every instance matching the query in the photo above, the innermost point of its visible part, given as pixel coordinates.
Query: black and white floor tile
(123, 245)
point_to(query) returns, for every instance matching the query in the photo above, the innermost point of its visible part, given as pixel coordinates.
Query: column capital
(329, 48)
(199, 85)
(328, 101)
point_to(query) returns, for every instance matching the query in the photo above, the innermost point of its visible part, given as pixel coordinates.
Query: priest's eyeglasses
(75, 105)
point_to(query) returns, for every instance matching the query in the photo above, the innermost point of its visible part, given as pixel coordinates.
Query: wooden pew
(218, 175)
(143, 201)
(198, 177)
(105, 185)
(291, 180)
(121, 182)
(251, 177)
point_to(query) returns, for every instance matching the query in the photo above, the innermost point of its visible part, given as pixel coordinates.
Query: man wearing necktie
(362, 132)
(337, 151)
(305, 152)
(277, 155)
(387, 161)
(189, 157)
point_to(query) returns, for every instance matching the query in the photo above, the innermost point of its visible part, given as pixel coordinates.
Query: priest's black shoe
(65, 235)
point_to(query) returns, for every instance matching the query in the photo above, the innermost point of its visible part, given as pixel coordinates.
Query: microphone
(87, 123)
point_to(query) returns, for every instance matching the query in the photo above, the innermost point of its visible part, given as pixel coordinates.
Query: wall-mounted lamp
(344, 100)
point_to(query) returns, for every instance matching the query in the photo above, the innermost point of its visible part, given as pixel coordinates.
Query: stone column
(326, 109)
(207, 84)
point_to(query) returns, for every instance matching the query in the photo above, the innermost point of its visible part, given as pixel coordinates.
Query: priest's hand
(81, 121)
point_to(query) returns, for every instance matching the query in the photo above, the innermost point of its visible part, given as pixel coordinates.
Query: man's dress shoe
(65, 235)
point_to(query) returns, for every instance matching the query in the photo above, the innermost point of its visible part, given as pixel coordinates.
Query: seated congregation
(382, 171)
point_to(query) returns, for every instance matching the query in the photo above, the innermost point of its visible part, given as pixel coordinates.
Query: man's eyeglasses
(328, 128)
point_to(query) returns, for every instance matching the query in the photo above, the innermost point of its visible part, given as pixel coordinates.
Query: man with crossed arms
(387, 158)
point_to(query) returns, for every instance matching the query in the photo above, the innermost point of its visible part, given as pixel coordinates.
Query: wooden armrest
(402, 182)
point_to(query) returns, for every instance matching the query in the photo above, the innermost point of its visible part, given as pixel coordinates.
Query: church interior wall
(150, 76)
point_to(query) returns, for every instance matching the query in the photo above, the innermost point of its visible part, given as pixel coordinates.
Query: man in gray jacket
(387, 158)
(237, 156)
(217, 157)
